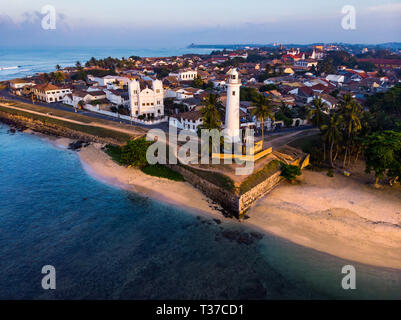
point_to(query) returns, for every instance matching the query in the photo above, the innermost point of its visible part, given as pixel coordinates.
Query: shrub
(134, 153)
(290, 172)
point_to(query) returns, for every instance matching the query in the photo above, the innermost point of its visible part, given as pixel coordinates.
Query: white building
(86, 97)
(185, 75)
(146, 98)
(335, 78)
(232, 121)
(50, 93)
(117, 97)
(17, 85)
(187, 120)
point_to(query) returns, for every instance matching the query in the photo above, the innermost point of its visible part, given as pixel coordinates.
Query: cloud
(386, 8)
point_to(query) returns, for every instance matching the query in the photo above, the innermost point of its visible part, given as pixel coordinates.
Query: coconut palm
(332, 134)
(350, 112)
(212, 120)
(210, 113)
(316, 112)
(263, 110)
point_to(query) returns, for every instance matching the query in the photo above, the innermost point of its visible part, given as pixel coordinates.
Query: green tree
(210, 113)
(58, 67)
(59, 77)
(383, 154)
(198, 82)
(332, 134)
(290, 172)
(316, 112)
(134, 153)
(263, 110)
(351, 112)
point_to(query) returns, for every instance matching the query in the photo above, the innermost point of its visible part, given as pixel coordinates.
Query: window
(157, 90)
(233, 93)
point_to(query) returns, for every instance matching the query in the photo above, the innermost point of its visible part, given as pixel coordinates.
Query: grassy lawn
(95, 131)
(158, 170)
(258, 177)
(216, 178)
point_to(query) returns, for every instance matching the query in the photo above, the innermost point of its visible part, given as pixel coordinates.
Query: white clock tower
(232, 123)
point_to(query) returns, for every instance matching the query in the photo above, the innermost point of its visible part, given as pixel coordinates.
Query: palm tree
(263, 110)
(316, 112)
(78, 64)
(332, 134)
(210, 113)
(350, 112)
(212, 120)
(58, 67)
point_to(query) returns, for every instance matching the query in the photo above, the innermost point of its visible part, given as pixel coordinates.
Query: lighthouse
(232, 123)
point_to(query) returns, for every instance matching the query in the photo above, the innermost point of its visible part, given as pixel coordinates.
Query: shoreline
(369, 237)
(339, 216)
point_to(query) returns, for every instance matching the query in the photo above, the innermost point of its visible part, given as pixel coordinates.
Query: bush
(290, 172)
(330, 173)
(134, 153)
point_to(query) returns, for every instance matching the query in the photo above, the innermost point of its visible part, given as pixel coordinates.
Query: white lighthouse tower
(232, 123)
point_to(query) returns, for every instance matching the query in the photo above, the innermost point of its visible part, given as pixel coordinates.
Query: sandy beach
(342, 216)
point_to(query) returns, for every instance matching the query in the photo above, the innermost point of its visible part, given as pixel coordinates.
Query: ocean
(107, 243)
(17, 63)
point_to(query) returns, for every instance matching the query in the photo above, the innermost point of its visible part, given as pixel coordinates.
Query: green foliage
(290, 172)
(258, 177)
(267, 87)
(383, 154)
(134, 153)
(249, 94)
(162, 72)
(388, 102)
(198, 82)
(161, 171)
(210, 113)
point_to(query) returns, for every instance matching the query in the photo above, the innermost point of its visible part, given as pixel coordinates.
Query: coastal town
(151, 91)
(322, 116)
(200, 159)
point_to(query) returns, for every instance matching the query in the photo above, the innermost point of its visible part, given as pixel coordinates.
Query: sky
(173, 23)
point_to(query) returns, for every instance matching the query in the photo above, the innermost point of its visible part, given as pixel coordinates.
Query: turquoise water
(106, 243)
(31, 61)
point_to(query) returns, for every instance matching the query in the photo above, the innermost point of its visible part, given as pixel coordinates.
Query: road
(164, 126)
(59, 106)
